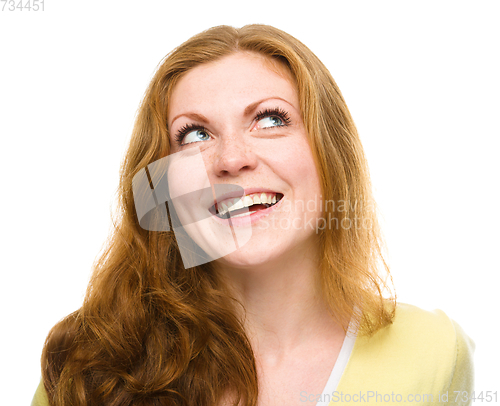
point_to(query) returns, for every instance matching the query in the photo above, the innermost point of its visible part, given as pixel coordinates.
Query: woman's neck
(285, 313)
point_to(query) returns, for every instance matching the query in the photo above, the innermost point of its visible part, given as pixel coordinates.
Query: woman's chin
(245, 258)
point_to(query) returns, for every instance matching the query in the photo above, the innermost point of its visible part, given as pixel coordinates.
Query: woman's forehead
(240, 78)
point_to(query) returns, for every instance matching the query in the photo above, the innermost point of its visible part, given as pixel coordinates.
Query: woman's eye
(196, 136)
(271, 121)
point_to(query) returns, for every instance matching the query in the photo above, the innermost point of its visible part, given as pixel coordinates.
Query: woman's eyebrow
(252, 107)
(193, 116)
(248, 110)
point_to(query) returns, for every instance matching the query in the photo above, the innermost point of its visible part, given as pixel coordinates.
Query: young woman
(263, 283)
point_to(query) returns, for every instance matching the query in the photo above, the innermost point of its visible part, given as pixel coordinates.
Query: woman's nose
(233, 157)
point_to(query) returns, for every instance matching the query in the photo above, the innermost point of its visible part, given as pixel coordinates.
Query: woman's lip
(238, 194)
(249, 219)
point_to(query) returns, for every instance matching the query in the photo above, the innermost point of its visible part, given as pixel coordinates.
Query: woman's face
(237, 121)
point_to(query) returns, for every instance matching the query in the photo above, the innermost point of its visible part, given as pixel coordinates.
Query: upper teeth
(245, 201)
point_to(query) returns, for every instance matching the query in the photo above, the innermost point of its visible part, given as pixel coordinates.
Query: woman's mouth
(245, 205)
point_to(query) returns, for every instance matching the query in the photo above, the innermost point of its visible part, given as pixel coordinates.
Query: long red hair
(153, 333)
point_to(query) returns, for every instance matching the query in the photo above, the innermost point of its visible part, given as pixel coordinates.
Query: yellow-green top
(423, 358)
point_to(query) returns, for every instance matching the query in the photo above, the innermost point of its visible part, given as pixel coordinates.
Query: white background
(420, 78)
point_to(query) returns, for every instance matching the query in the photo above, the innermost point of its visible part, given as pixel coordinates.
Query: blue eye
(271, 118)
(196, 136)
(272, 121)
(191, 133)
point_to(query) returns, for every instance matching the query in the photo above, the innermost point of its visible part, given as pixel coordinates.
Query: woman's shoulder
(421, 353)
(433, 331)
(417, 337)
(40, 398)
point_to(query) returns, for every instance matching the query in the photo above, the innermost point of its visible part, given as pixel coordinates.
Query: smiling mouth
(245, 205)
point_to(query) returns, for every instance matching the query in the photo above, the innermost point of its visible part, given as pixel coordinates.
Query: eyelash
(185, 130)
(275, 112)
